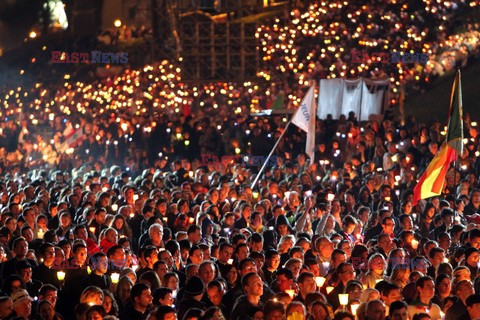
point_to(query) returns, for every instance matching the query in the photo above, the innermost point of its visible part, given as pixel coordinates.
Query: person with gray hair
(155, 233)
(126, 211)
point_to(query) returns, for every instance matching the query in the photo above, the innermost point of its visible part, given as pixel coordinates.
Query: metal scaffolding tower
(213, 37)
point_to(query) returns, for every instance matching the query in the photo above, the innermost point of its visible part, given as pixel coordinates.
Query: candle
(388, 199)
(92, 229)
(191, 220)
(115, 277)
(320, 281)
(135, 267)
(330, 197)
(61, 275)
(291, 293)
(230, 261)
(40, 233)
(414, 244)
(89, 270)
(132, 215)
(190, 174)
(114, 207)
(255, 194)
(354, 308)
(135, 197)
(343, 298)
(329, 289)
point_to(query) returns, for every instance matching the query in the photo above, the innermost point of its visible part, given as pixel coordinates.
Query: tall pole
(271, 152)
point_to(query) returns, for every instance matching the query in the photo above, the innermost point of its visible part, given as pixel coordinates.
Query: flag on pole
(304, 118)
(455, 115)
(432, 181)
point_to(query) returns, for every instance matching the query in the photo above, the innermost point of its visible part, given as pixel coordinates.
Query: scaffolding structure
(212, 37)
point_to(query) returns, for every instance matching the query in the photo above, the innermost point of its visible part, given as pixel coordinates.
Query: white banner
(362, 96)
(330, 98)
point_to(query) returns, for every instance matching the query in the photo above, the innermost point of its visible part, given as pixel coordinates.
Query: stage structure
(216, 39)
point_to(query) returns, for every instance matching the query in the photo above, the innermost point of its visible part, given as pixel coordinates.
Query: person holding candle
(74, 274)
(306, 284)
(97, 224)
(98, 277)
(324, 247)
(44, 272)
(344, 273)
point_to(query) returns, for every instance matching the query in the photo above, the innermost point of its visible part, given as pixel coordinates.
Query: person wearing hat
(193, 296)
(22, 304)
(24, 270)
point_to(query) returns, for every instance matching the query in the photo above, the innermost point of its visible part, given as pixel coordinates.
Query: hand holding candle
(60, 275)
(343, 298)
(115, 277)
(320, 281)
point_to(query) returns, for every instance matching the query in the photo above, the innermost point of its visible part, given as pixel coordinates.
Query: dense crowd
(188, 237)
(319, 41)
(150, 212)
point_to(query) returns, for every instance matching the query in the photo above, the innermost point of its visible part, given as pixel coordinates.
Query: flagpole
(271, 152)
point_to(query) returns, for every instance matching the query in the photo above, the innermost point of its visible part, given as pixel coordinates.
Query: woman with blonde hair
(400, 275)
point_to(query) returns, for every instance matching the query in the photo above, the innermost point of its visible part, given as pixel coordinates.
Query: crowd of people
(133, 197)
(187, 236)
(320, 40)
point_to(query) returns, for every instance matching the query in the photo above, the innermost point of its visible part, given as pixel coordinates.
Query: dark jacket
(243, 307)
